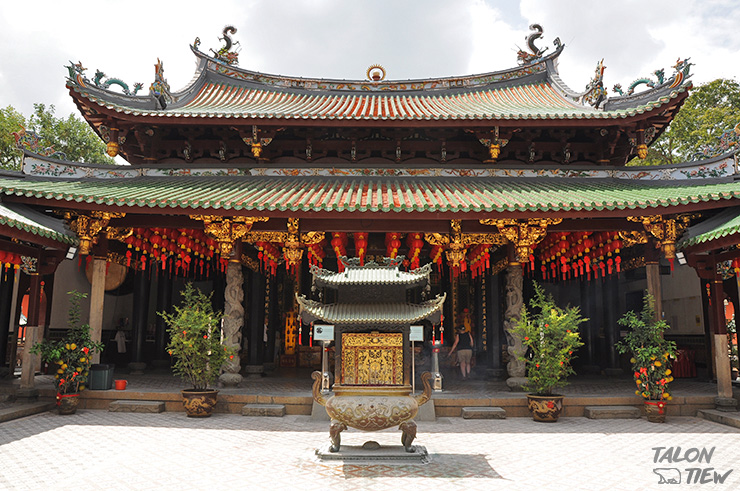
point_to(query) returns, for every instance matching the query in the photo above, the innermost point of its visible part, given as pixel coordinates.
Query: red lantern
(361, 246)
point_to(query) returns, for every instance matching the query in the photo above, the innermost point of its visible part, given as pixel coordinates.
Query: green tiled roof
(23, 218)
(373, 194)
(371, 314)
(724, 224)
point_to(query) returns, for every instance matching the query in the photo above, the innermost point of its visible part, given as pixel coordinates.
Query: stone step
(483, 412)
(721, 417)
(136, 406)
(612, 412)
(263, 410)
(16, 410)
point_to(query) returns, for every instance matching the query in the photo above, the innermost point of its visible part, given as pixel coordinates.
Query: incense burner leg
(334, 433)
(409, 433)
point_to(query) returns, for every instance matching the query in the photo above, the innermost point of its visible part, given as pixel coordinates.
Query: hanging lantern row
(415, 241)
(360, 239)
(339, 245)
(392, 244)
(479, 259)
(268, 255)
(316, 253)
(187, 251)
(566, 255)
(9, 260)
(436, 256)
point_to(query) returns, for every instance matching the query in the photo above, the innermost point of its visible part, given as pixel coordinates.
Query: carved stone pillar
(233, 321)
(516, 368)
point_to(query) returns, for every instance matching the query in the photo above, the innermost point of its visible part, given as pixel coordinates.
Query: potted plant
(71, 355)
(195, 344)
(551, 336)
(651, 358)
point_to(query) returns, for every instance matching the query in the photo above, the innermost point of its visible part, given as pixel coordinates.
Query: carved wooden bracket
(226, 230)
(665, 230)
(524, 234)
(87, 227)
(257, 139)
(293, 241)
(457, 243)
(492, 142)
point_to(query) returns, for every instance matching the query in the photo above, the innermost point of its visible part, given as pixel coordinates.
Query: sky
(342, 38)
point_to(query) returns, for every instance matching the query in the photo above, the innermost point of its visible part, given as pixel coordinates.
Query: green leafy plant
(551, 333)
(651, 352)
(73, 354)
(195, 339)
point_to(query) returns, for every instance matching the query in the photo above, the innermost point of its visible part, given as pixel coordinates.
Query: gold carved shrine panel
(372, 358)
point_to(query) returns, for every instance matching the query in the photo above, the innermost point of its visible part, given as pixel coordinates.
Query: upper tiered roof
(258, 106)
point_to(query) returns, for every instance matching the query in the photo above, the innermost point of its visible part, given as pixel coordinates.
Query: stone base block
(427, 412)
(277, 410)
(495, 374)
(318, 412)
(483, 413)
(230, 379)
(613, 372)
(722, 417)
(254, 372)
(611, 412)
(136, 407)
(374, 455)
(727, 404)
(516, 384)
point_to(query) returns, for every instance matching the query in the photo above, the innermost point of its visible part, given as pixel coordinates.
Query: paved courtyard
(127, 451)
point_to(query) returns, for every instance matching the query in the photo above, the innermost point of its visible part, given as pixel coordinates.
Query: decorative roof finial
(224, 54)
(375, 73)
(160, 89)
(524, 58)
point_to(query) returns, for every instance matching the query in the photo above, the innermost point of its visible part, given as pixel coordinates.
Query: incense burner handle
(426, 395)
(317, 395)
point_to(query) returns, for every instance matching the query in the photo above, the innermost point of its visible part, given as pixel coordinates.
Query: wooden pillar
(273, 322)
(652, 270)
(97, 295)
(6, 298)
(494, 319)
(717, 321)
(255, 349)
(33, 333)
(164, 304)
(611, 328)
(140, 317)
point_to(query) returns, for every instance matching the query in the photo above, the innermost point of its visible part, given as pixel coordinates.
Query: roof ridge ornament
(160, 89)
(595, 92)
(224, 54)
(536, 54)
(375, 73)
(77, 75)
(681, 72)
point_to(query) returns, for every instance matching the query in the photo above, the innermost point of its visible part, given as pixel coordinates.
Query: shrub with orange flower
(651, 352)
(195, 339)
(72, 355)
(551, 334)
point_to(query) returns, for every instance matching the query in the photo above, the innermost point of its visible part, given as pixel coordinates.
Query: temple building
(242, 180)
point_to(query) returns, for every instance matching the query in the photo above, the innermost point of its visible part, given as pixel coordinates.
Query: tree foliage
(71, 136)
(709, 111)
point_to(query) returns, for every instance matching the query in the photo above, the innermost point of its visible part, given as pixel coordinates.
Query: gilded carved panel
(372, 358)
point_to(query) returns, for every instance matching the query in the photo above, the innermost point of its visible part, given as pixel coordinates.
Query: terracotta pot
(199, 403)
(68, 403)
(655, 411)
(545, 409)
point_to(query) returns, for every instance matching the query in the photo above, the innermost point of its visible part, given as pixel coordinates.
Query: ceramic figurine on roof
(224, 53)
(160, 89)
(372, 323)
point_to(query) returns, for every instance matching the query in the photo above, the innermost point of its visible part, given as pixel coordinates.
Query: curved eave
(557, 118)
(383, 314)
(18, 219)
(370, 275)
